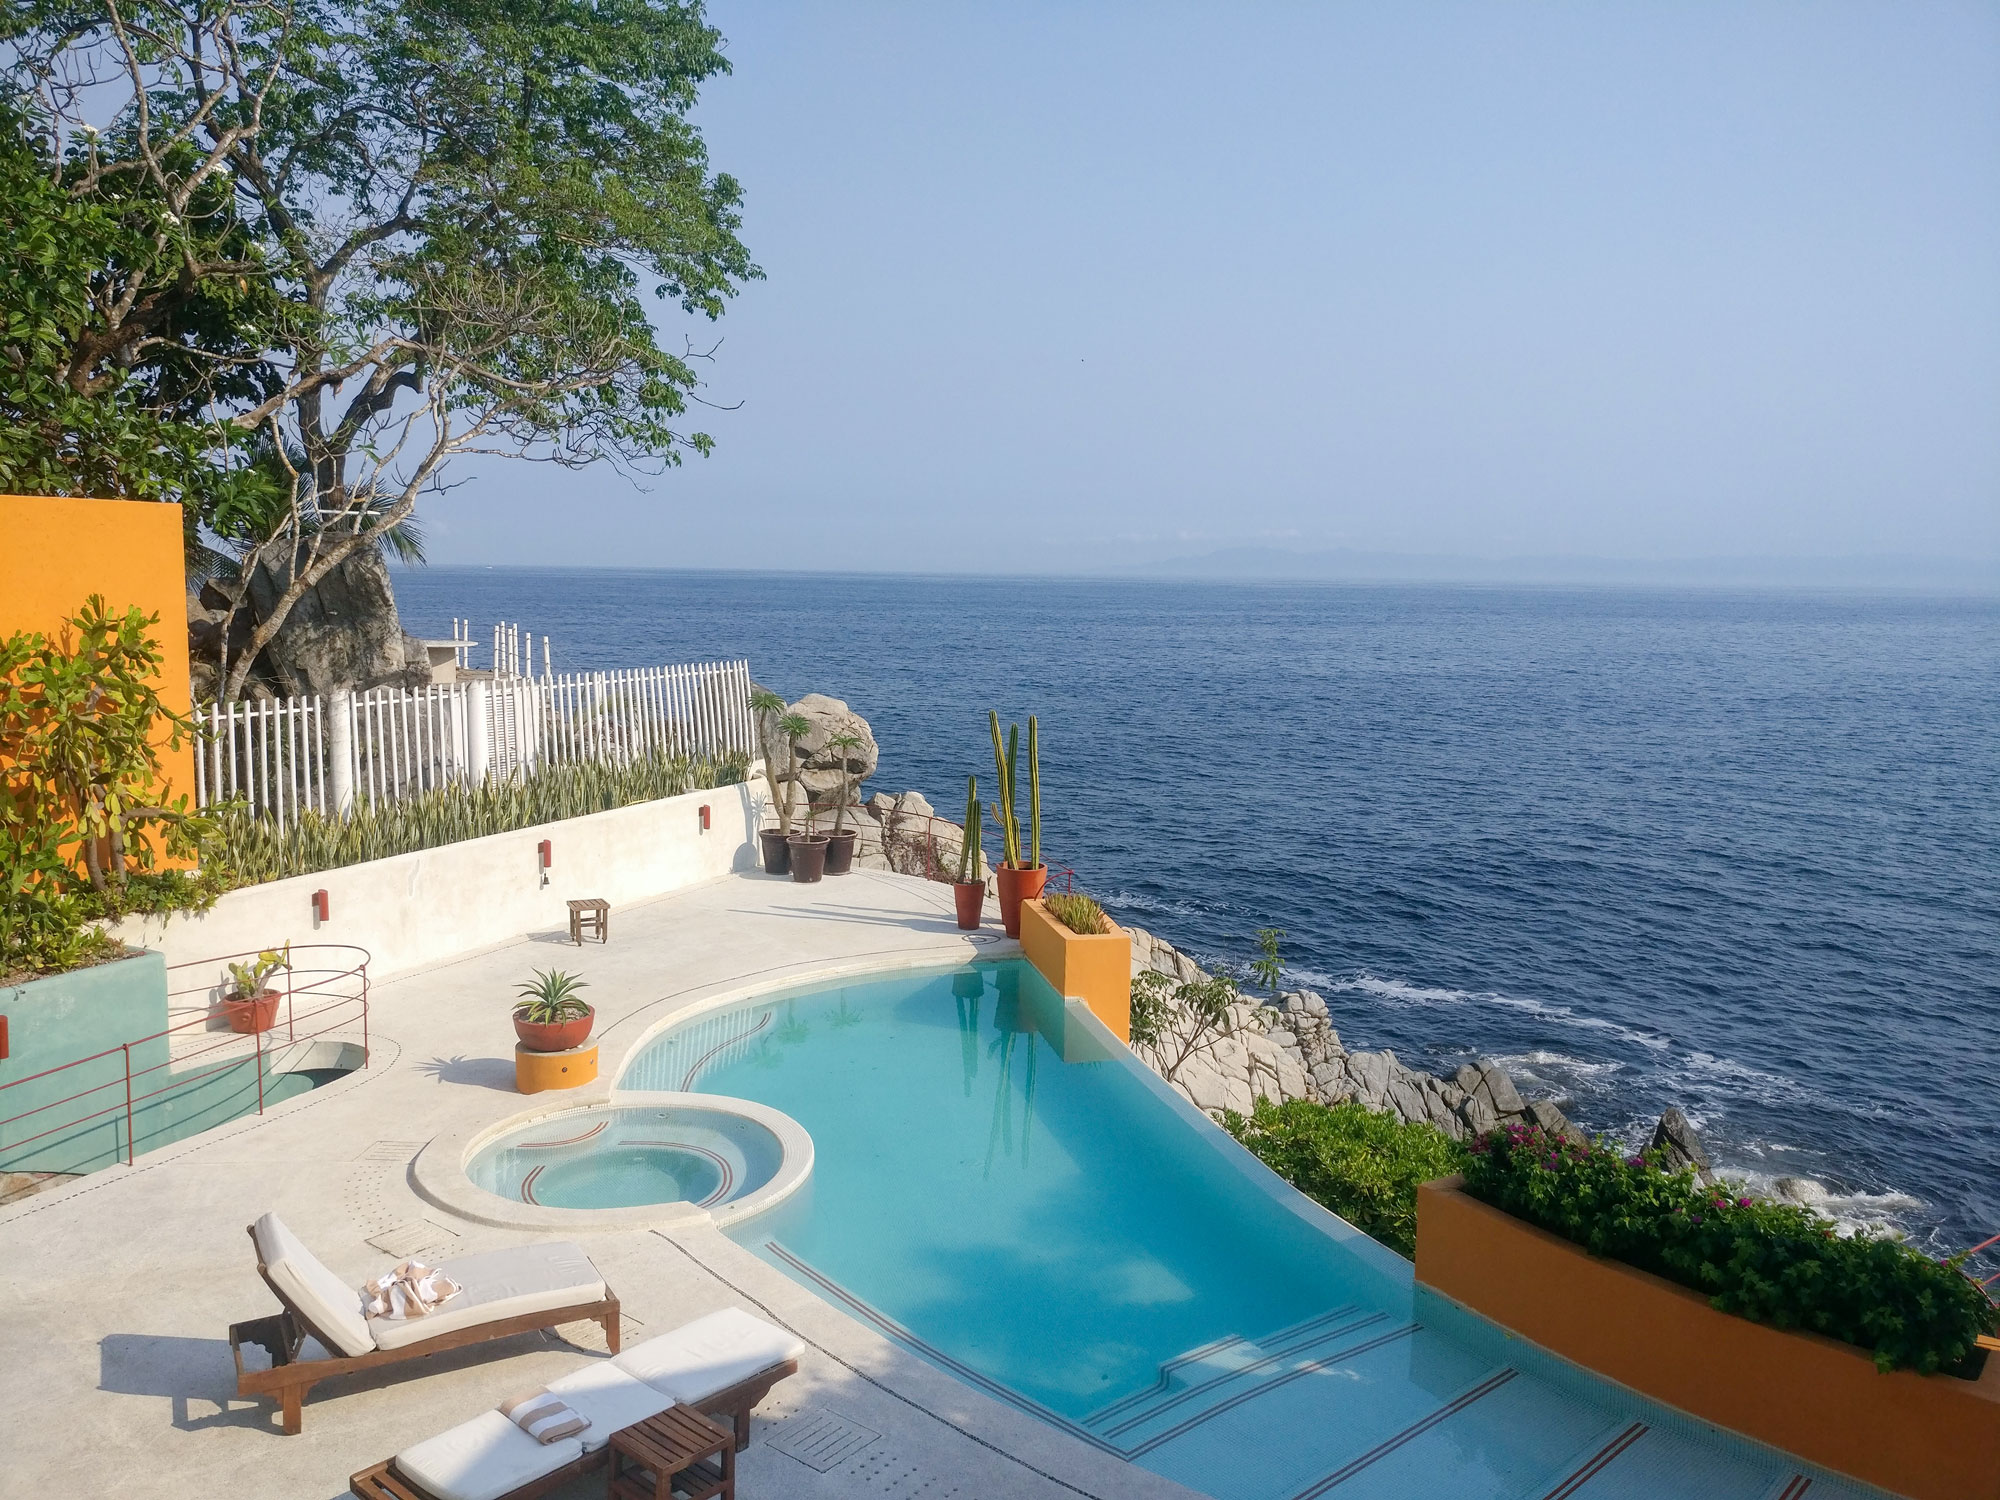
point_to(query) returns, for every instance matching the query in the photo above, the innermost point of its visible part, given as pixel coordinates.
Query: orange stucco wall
(1096, 970)
(55, 553)
(1931, 1437)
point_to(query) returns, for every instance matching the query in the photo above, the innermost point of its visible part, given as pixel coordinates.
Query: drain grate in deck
(391, 1151)
(820, 1439)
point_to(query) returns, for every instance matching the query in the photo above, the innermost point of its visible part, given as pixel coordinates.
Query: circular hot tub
(649, 1158)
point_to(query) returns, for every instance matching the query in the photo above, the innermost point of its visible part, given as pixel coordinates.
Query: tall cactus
(970, 855)
(1003, 773)
(1034, 795)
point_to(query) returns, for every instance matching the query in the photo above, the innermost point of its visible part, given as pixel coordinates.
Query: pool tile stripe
(721, 1165)
(1598, 1462)
(1409, 1434)
(1310, 1367)
(1795, 1488)
(566, 1141)
(1255, 1367)
(528, 1187)
(722, 1046)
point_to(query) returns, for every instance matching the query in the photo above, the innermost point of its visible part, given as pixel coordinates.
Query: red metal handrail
(349, 963)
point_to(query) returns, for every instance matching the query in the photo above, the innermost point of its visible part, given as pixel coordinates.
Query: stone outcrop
(1681, 1148)
(1290, 1050)
(824, 772)
(343, 634)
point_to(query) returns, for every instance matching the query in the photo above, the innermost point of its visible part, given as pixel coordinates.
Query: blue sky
(1059, 287)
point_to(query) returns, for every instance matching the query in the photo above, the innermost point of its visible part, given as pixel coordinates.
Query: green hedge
(1363, 1164)
(251, 849)
(1770, 1262)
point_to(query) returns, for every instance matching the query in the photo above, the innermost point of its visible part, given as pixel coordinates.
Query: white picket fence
(285, 756)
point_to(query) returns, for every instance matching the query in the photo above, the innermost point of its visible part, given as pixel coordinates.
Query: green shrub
(81, 802)
(252, 850)
(1363, 1164)
(1077, 912)
(1770, 1262)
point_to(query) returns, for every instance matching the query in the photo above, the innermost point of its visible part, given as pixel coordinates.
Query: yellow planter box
(1931, 1437)
(536, 1071)
(1096, 970)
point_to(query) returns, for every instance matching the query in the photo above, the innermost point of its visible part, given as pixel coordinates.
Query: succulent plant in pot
(1018, 879)
(248, 999)
(841, 841)
(548, 1016)
(776, 842)
(969, 890)
(808, 848)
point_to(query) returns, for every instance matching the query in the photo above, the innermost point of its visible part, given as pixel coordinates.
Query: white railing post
(478, 735)
(340, 752)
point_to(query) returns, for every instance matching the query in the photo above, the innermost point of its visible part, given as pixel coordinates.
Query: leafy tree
(439, 221)
(1177, 1021)
(1267, 966)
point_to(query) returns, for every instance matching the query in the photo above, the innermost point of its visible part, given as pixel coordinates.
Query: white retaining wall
(415, 909)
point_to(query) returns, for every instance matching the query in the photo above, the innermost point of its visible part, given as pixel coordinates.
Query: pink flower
(1742, 1202)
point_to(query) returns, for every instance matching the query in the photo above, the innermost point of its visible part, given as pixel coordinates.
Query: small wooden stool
(677, 1455)
(591, 915)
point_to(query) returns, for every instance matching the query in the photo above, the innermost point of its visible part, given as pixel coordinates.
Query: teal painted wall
(62, 1019)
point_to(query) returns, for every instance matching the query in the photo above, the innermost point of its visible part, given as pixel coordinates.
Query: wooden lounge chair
(505, 1292)
(721, 1365)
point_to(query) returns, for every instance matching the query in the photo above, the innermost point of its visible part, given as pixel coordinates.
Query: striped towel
(542, 1415)
(409, 1291)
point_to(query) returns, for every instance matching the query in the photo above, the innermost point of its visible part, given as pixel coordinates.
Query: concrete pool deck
(115, 1366)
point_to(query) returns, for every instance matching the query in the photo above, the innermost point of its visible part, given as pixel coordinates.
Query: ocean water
(1738, 852)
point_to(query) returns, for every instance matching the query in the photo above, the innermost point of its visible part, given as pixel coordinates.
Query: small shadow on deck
(197, 1375)
(479, 1072)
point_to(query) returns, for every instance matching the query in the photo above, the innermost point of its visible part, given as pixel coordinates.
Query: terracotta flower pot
(840, 851)
(252, 1013)
(808, 857)
(555, 1036)
(1017, 886)
(970, 895)
(777, 851)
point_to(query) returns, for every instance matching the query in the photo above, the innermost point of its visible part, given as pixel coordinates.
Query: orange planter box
(1930, 1437)
(1096, 969)
(536, 1071)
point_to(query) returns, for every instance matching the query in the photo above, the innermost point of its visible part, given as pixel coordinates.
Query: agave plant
(550, 998)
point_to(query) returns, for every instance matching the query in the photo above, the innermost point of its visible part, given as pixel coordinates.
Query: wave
(1401, 992)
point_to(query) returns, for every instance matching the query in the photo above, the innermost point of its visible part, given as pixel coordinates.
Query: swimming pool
(1005, 1191)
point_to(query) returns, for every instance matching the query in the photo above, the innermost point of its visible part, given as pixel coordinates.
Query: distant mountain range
(1276, 564)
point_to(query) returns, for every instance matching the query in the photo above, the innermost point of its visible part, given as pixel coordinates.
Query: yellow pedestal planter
(1096, 970)
(536, 1071)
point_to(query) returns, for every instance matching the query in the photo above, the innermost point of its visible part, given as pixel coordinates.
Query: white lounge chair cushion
(710, 1354)
(328, 1303)
(500, 1284)
(610, 1398)
(483, 1459)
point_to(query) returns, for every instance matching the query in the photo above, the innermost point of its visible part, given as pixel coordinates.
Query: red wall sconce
(704, 817)
(3, 1038)
(545, 851)
(322, 908)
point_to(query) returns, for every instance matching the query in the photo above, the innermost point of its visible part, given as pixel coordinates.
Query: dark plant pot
(840, 851)
(808, 857)
(555, 1036)
(970, 895)
(1017, 886)
(777, 851)
(253, 1013)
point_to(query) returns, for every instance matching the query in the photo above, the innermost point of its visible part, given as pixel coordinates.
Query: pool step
(1202, 1366)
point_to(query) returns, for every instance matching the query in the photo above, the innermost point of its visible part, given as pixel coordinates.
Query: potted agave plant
(548, 1016)
(840, 842)
(968, 892)
(248, 1001)
(1018, 879)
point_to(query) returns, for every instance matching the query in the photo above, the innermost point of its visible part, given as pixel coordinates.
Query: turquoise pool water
(1007, 1196)
(627, 1157)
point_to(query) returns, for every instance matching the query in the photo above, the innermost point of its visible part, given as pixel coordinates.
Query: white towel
(409, 1291)
(543, 1416)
